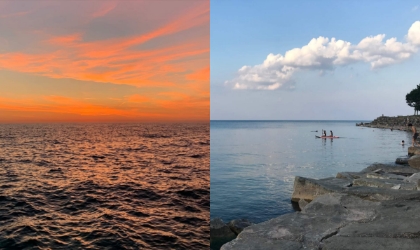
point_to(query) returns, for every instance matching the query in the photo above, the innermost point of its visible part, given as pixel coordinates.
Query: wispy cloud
(326, 54)
(73, 58)
(415, 8)
(104, 9)
(109, 43)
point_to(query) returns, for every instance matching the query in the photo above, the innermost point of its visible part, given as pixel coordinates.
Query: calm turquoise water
(253, 163)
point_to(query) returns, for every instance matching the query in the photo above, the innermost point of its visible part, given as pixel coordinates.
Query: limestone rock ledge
(377, 208)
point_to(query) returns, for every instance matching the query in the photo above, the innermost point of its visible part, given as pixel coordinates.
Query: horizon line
(289, 120)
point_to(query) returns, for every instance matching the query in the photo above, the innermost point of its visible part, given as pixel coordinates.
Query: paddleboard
(326, 137)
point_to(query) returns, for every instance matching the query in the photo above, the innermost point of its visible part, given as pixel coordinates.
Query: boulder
(402, 160)
(308, 189)
(237, 226)
(414, 161)
(413, 151)
(220, 233)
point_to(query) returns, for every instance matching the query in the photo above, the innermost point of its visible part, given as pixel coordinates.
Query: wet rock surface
(221, 233)
(237, 226)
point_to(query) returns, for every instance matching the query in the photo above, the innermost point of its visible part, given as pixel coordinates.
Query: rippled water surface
(254, 163)
(104, 186)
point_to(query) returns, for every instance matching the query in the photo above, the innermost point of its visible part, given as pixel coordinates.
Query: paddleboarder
(331, 133)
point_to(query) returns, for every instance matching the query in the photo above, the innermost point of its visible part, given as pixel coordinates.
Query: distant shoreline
(392, 122)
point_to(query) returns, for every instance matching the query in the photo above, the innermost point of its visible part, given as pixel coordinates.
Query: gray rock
(396, 224)
(380, 194)
(393, 169)
(349, 175)
(364, 243)
(383, 175)
(323, 217)
(237, 226)
(413, 178)
(402, 160)
(385, 183)
(373, 189)
(302, 204)
(338, 221)
(220, 233)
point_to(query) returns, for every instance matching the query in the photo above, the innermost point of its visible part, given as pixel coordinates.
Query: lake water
(104, 186)
(253, 163)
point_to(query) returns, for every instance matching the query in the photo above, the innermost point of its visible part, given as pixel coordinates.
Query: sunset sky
(71, 61)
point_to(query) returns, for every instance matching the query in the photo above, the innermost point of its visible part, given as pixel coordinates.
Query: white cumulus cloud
(323, 54)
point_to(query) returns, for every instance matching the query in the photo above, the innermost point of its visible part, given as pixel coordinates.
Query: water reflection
(124, 186)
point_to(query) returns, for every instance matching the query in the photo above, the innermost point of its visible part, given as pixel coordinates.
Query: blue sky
(359, 78)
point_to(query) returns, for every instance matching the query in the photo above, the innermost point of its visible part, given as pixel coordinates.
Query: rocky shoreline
(392, 122)
(376, 208)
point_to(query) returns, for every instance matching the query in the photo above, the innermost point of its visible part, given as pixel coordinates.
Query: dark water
(253, 164)
(104, 186)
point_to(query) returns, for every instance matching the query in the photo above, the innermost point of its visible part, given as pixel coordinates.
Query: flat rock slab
(387, 175)
(395, 226)
(320, 219)
(308, 189)
(338, 221)
(385, 183)
(395, 219)
(413, 178)
(373, 189)
(388, 168)
(364, 243)
(381, 194)
(350, 175)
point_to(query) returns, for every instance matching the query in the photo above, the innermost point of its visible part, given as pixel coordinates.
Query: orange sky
(104, 61)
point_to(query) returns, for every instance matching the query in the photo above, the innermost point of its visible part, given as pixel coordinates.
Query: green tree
(413, 99)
